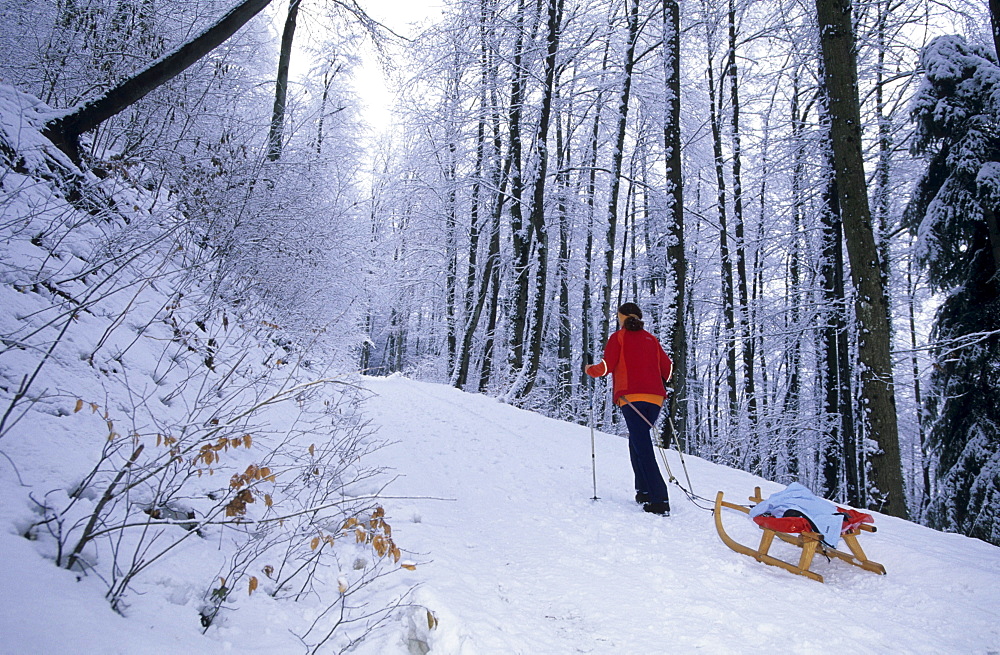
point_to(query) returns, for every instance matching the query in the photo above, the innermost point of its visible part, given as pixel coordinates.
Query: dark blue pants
(640, 447)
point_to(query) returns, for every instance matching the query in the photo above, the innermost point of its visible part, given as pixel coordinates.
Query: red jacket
(637, 363)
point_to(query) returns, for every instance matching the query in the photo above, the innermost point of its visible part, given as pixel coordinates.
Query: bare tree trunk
(792, 402)
(489, 346)
(925, 491)
(453, 297)
(65, 131)
(871, 305)
(519, 231)
(472, 302)
(476, 297)
(752, 461)
(882, 200)
(491, 275)
(451, 252)
(840, 455)
(328, 76)
(538, 227)
(995, 23)
(728, 294)
(274, 138)
(564, 354)
(677, 333)
(616, 161)
(587, 319)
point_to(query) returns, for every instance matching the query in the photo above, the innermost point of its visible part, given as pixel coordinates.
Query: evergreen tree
(954, 213)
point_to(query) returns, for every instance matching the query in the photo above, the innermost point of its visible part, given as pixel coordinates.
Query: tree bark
(65, 131)
(520, 237)
(539, 229)
(925, 482)
(871, 305)
(995, 24)
(482, 196)
(564, 353)
(274, 137)
(840, 453)
(792, 402)
(500, 174)
(677, 260)
(616, 162)
(591, 348)
(752, 460)
(728, 293)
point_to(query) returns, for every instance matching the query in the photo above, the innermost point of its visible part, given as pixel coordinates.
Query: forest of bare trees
(718, 162)
(739, 169)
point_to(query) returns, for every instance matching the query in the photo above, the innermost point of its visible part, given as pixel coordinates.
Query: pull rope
(689, 493)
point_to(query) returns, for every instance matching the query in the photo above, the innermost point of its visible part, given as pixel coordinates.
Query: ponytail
(633, 316)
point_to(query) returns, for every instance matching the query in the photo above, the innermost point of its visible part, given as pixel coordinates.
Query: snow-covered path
(519, 559)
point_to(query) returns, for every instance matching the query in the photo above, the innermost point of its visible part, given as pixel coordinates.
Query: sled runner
(799, 531)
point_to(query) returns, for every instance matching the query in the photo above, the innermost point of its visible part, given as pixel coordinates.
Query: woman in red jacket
(639, 368)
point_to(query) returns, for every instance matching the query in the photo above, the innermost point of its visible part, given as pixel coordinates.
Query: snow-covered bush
(155, 430)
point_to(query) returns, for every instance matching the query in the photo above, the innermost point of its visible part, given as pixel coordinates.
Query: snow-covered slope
(513, 556)
(165, 449)
(519, 559)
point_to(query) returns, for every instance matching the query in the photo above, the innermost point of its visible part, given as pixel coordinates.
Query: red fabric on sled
(792, 524)
(854, 519)
(797, 524)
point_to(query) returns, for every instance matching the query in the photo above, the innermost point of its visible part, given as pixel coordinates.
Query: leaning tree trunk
(871, 305)
(65, 131)
(274, 138)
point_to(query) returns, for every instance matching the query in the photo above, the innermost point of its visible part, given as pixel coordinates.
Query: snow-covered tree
(954, 213)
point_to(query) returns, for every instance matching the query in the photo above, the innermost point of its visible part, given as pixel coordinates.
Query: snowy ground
(521, 560)
(494, 503)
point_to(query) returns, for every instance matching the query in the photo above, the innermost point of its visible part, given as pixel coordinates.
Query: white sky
(371, 83)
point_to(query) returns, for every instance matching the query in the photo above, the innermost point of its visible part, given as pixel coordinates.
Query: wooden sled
(798, 531)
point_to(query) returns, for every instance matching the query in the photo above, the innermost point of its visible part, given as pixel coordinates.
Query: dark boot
(641, 497)
(661, 507)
